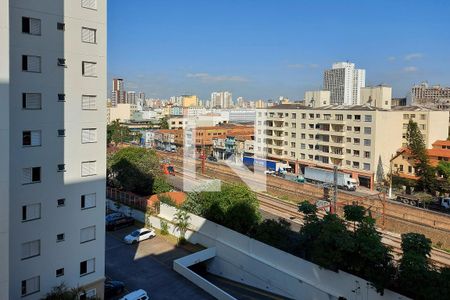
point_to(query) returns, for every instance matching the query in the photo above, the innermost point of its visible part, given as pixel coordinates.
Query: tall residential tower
(52, 131)
(344, 83)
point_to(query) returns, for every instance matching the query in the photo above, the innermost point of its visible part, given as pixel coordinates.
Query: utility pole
(203, 158)
(335, 177)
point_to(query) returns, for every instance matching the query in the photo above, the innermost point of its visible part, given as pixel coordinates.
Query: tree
(380, 171)
(354, 213)
(443, 169)
(235, 206)
(163, 123)
(181, 222)
(414, 270)
(370, 258)
(160, 185)
(134, 169)
(118, 133)
(332, 245)
(309, 210)
(62, 292)
(276, 233)
(427, 178)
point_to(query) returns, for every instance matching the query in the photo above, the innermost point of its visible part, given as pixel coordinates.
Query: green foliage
(181, 222)
(167, 200)
(414, 269)
(370, 258)
(331, 247)
(443, 169)
(163, 123)
(62, 292)
(160, 185)
(134, 169)
(235, 206)
(164, 227)
(426, 173)
(354, 213)
(117, 133)
(276, 233)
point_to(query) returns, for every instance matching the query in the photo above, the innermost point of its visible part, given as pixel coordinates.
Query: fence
(127, 198)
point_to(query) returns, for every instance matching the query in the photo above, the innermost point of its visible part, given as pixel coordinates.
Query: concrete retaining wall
(250, 262)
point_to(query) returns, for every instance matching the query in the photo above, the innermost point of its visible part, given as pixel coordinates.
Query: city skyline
(280, 50)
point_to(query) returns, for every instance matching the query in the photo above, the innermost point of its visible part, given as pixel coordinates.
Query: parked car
(269, 172)
(118, 220)
(113, 288)
(212, 158)
(139, 235)
(136, 295)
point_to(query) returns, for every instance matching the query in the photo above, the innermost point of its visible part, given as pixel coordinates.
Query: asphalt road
(148, 266)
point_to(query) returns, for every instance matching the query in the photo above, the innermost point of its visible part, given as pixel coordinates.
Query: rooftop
(364, 107)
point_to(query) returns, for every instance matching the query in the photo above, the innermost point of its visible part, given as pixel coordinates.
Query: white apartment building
(344, 83)
(354, 138)
(317, 98)
(52, 162)
(221, 99)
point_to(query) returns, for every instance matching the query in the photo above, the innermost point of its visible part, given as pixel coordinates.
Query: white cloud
(217, 78)
(392, 58)
(412, 56)
(410, 69)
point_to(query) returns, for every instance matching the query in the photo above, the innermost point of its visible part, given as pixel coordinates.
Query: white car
(139, 235)
(136, 295)
(269, 172)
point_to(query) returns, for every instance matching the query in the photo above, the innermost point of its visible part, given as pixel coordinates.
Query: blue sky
(262, 49)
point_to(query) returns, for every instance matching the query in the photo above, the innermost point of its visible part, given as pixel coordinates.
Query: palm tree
(181, 222)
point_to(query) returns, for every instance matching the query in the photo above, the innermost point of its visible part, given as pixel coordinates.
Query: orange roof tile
(439, 152)
(441, 143)
(177, 197)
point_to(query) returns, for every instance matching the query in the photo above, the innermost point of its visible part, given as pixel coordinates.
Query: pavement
(148, 266)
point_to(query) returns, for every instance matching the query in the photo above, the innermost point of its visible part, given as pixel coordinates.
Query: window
(409, 169)
(422, 126)
(90, 4)
(88, 35)
(30, 286)
(349, 117)
(349, 140)
(348, 151)
(31, 101)
(87, 267)
(367, 118)
(88, 201)
(366, 154)
(61, 97)
(92, 293)
(60, 272)
(62, 62)
(88, 135)
(61, 26)
(61, 132)
(87, 234)
(405, 116)
(89, 69)
(367, 130)
(366, 167)
(31, 249)
(61, 167)
(60, 237)
(367, 142)
(31, 138)
(31, 175)
(88, 102)
(356, 141)
(356, 153)
(31, 26)
(61, 202)
(349, 128)
(31, 212)
(423, 116)
(31, 63)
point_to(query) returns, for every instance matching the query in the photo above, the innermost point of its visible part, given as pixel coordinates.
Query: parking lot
(148, 266)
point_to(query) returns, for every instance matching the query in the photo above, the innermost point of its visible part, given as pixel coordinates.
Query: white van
(136, 295)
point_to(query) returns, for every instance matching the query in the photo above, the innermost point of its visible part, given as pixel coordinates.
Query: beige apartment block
(121, 112)
(317, 98)
(53, 133)
(379, 96)
(354, 138)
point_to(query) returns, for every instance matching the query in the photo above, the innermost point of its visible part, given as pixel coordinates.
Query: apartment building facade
(52, 125)
(344, 83)
(431, 96)
(354, 138)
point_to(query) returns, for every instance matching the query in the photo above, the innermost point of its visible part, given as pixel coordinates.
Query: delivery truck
(344, 180)
(266, 165)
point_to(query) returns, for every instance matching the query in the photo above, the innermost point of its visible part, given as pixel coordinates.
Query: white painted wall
(248, 261)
